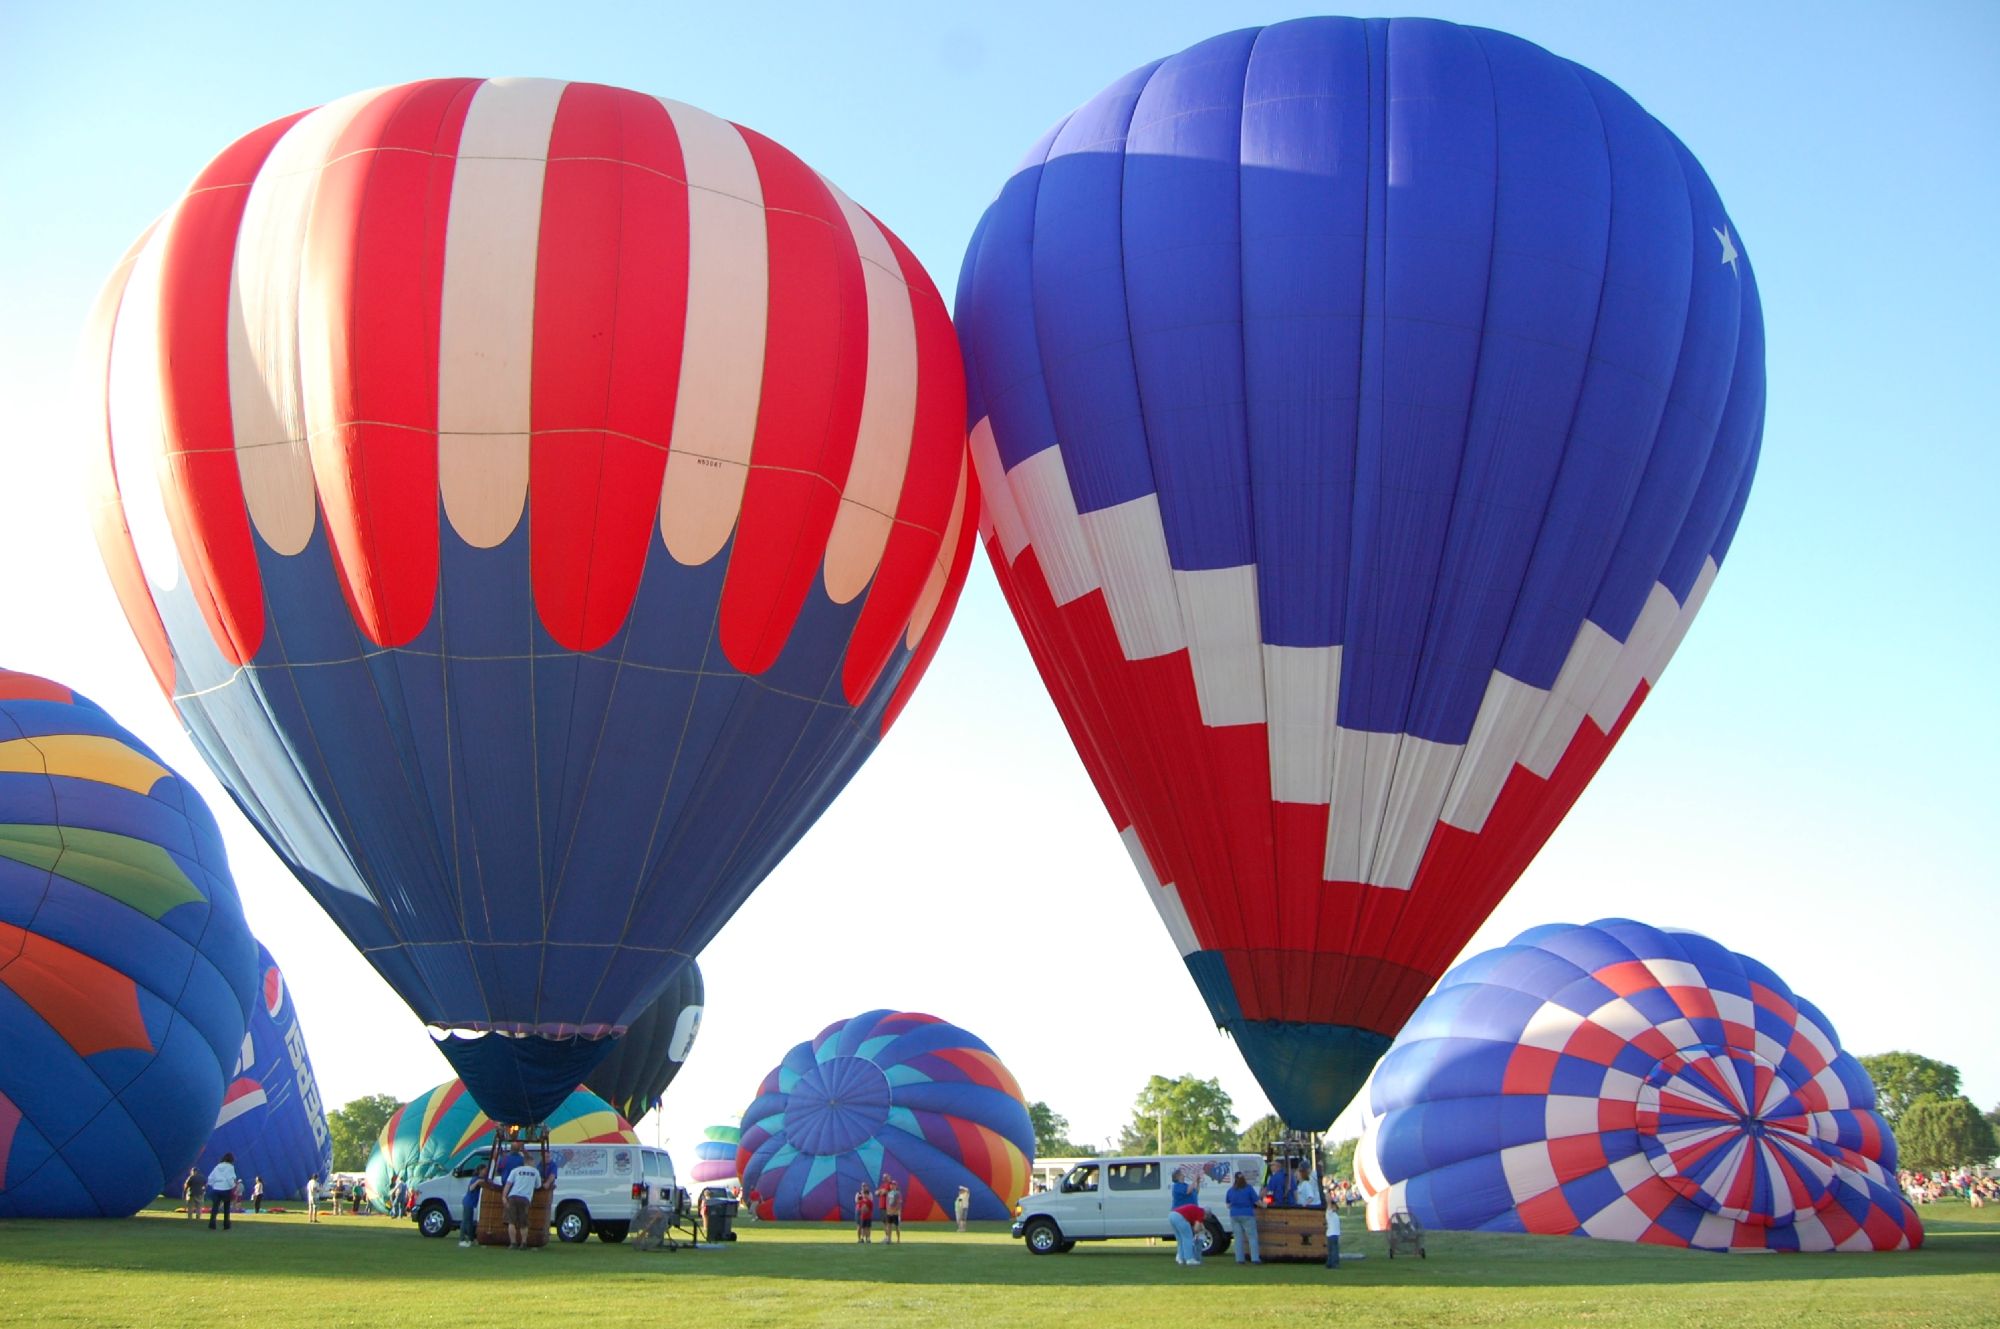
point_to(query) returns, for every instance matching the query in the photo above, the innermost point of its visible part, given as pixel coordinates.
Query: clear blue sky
(1814, 783)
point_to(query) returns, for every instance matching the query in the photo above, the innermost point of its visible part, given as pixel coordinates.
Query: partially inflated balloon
(645, 1060)
(271, 1117)
(537, 499)
(1362, 411)
(1624, 1082)
(126, 971)
(887, 1094)
(715, 1155)
(440, 1128)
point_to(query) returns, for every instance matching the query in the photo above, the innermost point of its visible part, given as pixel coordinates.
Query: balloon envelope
(126, 971)
(887, 1093)
(1362, 410)
(537, 499)
(440, 1128)
(651, 1052)
(1620, 1081)
(715, 1155)
(271, 1116)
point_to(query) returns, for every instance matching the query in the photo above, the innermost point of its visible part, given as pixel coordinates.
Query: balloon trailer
(532, 1142)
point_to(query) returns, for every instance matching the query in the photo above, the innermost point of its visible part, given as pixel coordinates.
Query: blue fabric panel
(1417, 383)
(1079, 302)
(1687, 426)
(1499, 1014)
(1576, 1076)
(1583, 996)
(1735, 439)
(1310, 1072)
(1002, 340)
(1591, 1192)
(1634, 347)
(1551, 222)
(1304, 197)
(1184, 294)
(1588, 948)
(1466, 1195)
(520, 1081)
(1536, 972)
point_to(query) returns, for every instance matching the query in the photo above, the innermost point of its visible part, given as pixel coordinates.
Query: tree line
(1937, 1127)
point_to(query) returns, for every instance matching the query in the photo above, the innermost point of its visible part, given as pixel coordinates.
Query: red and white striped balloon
(472, 301)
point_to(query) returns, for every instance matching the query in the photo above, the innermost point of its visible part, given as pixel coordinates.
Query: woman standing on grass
(1185, 1212)
(963, 1206)
(221, 1190)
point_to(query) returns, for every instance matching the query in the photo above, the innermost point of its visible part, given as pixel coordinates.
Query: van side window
(1082, 1177)
(1132, 1176)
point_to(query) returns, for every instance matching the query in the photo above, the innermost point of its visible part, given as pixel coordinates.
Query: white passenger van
(599, 1188)
(1101, 1198)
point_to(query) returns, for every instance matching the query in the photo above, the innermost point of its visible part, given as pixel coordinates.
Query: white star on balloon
(1729, 254)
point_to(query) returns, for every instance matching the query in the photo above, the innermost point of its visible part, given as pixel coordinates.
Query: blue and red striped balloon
(537, 499)
(1625, 1082)
(1363, 409)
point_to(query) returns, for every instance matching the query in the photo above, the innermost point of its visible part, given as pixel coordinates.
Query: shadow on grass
(390, 1252)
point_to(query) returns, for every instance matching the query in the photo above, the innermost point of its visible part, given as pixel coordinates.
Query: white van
(1101, 1198)
(599, 1188)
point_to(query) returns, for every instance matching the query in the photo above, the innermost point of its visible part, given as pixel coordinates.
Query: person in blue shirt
(1283, 1187)
(468, 1221)
(1242, 1200)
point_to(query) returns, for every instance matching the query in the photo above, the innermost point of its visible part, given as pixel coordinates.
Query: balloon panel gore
(522, 1080)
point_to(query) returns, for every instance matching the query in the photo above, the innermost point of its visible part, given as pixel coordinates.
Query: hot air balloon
(1362, 410)
(653, 1049)
(437, 1130)
(126, 970)
(887, 1093)
(271, 1117)
(1636, 1084)
(537, 500)
(715, 1155)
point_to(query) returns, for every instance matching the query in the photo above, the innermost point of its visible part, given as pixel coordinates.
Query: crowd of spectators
(1976, 1187)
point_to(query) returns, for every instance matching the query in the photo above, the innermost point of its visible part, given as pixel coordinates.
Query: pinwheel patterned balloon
(439, 1128)
(887, 1093)
(1624, 1082)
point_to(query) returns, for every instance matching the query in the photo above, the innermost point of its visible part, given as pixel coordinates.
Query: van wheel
(1044, 1237)
(613, 1232)
(434, 1220)
(573, 1223)
(1214, 1238)
(1068, 1245)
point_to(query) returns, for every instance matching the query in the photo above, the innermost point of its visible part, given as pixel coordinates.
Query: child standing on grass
(864, 1215)
(191, 1191)
(964, 1206)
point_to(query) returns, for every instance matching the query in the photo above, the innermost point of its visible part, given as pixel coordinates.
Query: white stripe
(236, 1107)
(1584, 669)
(1648, 635)
(1713, 1232)
(1696, 594)
(1362, 766)
(1622, 1018)
(1166, 899)
(1506, 716)
(1680, 1033)
(1550, 1027)
(1302, 691)
(1410, 816)
(1732, 1008)
(1821, 1041)
(138, 441)
(722, 351)
(1619, 1086)
(996, 496)
(1048, 511)
(1569, 1114)
(888, 414)
(486, 324)
(1621, 1220)
(1769, 1048)
(267, 308)
(1675, 974)
(1219, 607)
(1129, 548)
(927, 603)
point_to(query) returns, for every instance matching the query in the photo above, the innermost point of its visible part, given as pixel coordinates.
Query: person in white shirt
(522, 1183)
(221, 1190)
(312, 1199)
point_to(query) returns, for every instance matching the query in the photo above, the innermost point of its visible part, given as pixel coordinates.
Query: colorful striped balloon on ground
(887, 1093)
(1362, 410)
(126, 971)
(715, 1156)
(439, 1128)
(537, 499)
(1625, 1082)
(271, 1116)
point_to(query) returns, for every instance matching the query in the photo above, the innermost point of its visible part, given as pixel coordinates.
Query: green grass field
(160, 1269)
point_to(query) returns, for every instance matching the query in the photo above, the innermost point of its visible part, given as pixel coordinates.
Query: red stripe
(815, 369)
(203, 493)
(930, 483)
(376, 246)
(16, 686)
(610, 313)
(954, 583)
(107, 507)
(91, 1005)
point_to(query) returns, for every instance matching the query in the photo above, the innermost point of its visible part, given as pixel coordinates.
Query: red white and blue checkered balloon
(1621, 1081)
